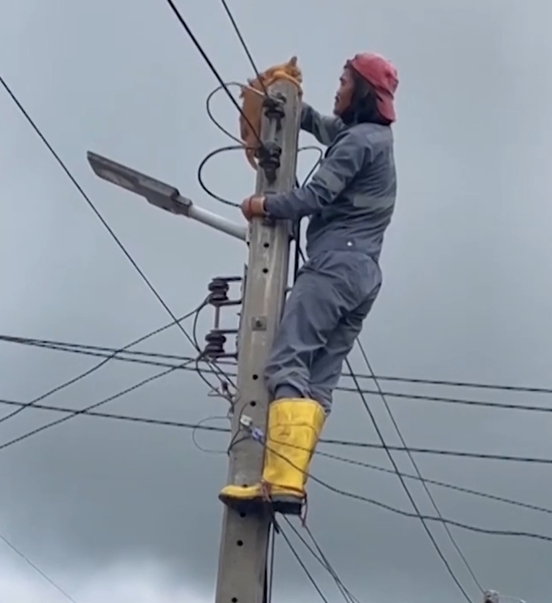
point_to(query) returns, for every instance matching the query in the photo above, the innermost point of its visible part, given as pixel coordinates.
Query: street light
(160, 194)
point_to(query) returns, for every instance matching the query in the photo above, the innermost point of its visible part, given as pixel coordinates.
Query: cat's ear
(293, 61)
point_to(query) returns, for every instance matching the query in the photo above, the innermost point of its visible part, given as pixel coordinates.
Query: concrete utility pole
(244, 544)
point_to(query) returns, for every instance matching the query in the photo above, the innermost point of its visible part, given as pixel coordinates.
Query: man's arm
(337, 170)
(323, 127)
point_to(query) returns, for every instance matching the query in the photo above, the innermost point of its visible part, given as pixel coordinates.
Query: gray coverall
(350, 201)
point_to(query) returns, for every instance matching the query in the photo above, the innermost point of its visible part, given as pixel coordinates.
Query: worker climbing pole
(286, 385)
(350, 201)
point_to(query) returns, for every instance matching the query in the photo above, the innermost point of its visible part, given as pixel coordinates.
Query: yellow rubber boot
(294, 426)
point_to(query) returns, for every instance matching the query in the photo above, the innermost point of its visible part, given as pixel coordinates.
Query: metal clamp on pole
(269, 160)
(269, 154)
(274, 108)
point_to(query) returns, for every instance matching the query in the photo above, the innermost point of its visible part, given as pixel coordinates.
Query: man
(350, 201)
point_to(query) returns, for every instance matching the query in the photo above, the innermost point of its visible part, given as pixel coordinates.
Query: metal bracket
(269, 160)
(269, 153)
(274, 108)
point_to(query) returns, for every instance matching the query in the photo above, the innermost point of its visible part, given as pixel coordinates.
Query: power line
(302, 564)
(450, 522)
(322, 559)
(102, 351)
(440, 452)
(350, 443)
(468, 384)
(418, 472)
(201, 427)
(327, 441)
(202, 165)
(226, 149)
(417, 514)
(441, 484)
(405, 487)
(37, 569)
(244, 44)
(448, 400)
(213, 69)
(88, 411)
(75, 413)
(112, 354)
(93, 208)
(119, 417)
(72, 347)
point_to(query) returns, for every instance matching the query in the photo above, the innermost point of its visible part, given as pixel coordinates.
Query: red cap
(383, 76)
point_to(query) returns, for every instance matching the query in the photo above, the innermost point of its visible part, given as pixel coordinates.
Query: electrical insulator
(215, 344)
(218, 298)
(218, 291)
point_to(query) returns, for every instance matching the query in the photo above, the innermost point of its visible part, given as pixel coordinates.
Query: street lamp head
(158, 193)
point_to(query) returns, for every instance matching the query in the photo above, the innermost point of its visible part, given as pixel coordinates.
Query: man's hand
(253, 207)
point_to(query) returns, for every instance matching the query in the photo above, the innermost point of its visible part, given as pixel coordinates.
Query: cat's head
(292, 68)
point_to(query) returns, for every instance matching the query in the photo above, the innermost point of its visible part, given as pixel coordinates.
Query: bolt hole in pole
(240, 543)
(265, 270)
(255, 377)
(253, 403)
(266, 245)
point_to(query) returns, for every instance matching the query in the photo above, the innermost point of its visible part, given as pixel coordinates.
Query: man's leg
(296, 417)
(328, 364)
(311, 314)
(328, 288)
(293, 438)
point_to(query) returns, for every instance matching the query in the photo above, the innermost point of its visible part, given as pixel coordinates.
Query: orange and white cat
(252, 103)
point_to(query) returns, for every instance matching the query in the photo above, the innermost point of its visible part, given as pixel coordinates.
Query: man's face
(344, 93)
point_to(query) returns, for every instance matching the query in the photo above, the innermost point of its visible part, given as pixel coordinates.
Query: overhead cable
(322, 559)
(143, 357)
(112, 354)
(417, 470)
(75, 413)
(302, 564)
(95, 210)
(37, 569)
(417, 513)
(209, 63)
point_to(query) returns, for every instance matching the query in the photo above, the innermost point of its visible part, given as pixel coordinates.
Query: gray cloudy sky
(126, 512)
